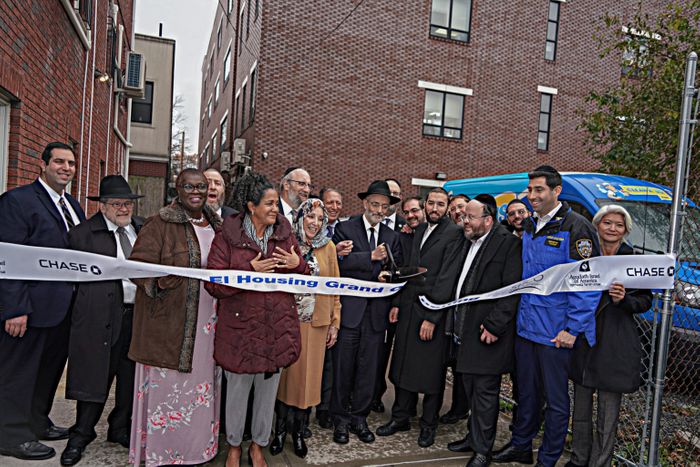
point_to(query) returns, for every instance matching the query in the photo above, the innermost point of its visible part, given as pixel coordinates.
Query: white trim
(238, 93)
(255, 65)
(245, 81)
(213, 134)
(646, 34)
(445, 88)
(547, 90)
(137, 157)
(427, 182)
(4, 142)
(222, 118)
(84, 34)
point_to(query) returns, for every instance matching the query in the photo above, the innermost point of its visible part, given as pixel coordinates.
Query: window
(4, 142)
(243, 122)
(216, 91)
(240, 30)
(224, 132)
(450, 19)
(209, 108)
(550, 51)
(442, 115)
(257, 8)
(227, 65)
(142, 108)
(235, 117)
(544, 122)
(211, 65)
(229, 7)
(247, 27)
(213, 147)
(206, 155)
(253, 86)
(218, 34)
(635, 56)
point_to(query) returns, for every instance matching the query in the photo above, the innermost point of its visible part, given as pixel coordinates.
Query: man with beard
(483, 332)
(418, 359)
(217, 193)
(457, 207)
(413, 212)
(516, 213)
(295, 188)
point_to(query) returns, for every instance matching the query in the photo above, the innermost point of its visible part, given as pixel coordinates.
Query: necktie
(387, 222)
(66, 213)
(124, 242)
(330, 231)
(372, 239)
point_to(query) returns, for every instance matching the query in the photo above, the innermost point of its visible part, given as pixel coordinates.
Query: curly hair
(250, 187)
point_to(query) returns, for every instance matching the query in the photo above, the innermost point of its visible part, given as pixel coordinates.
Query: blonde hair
(613, 209)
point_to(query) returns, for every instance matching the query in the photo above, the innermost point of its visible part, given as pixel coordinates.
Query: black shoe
(460, 446)
(307, 433)
(340, 434)
(71, 455)
(54, 433)
(122, 439)
(277, 444)
(324, 419)
(509, 453)
(377, 406)
(31, 451)
(300, 448)
(393, 427)
(363, 432)
(426, 437)
(479, 460)
(450, 418)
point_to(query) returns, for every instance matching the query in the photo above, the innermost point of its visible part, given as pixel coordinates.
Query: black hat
(379, 187)
(114, 186)
(489, 201)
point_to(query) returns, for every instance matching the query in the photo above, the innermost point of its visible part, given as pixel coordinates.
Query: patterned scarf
(250, 230)
(320, 239)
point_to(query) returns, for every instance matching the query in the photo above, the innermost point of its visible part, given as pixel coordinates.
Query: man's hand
(426, 331)
(486, 336)
(564, 340)
(617, 292)
(331, 337)
(263, 265)
(16, 326)
(343, 248)
(394, 314)
(379, 253)
(406, 229)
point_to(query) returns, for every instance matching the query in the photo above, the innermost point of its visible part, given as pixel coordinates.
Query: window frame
(556, 22)
(449, 29)
(240, 29)
(227, 73)
(253, 94)
(223, 132)
(142, 102)
(442, 126)
(548, 130)
(243, 122)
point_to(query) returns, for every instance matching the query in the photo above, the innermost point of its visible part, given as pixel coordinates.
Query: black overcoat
(417, 365)
(498, 265)
(614, 364)
(96, 318)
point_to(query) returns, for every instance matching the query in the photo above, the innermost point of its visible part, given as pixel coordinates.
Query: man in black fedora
(357, 353)
(101, 320)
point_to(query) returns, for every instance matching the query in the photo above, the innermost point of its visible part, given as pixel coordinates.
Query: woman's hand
(331, 337)
(617, 292)
(169, 282)
(263, 265)
(286, 259)
(343, 248)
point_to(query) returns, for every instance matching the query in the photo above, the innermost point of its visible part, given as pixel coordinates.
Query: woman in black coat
(614, 365)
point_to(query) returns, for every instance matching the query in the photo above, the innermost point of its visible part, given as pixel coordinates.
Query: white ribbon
(632, 271)
(21, 262)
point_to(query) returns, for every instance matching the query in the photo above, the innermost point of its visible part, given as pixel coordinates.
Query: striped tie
(66, 213)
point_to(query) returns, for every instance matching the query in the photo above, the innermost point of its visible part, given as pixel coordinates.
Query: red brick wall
(42, 71)
(148, 169)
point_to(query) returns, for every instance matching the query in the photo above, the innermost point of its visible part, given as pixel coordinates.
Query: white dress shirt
(542, 221)
(56, 198)
(390, 221)
(471, 254)
(287, 211)
(427, 233)
(128, 286)
(369, 226)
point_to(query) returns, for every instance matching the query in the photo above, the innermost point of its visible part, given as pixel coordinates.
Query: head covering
(379, 187)
(489, 201)
(114, 186)
(307, 206)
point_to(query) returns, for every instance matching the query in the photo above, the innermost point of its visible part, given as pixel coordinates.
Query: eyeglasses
(118, 205)
(520, 212)
(304, 184)
(413, 211)
(469, 218)
(190, 188)
(375, 205)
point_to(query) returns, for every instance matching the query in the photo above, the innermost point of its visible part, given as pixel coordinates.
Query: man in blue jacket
(548, 326)
(34, 315)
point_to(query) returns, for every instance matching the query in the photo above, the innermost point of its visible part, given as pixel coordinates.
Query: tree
(178, 127)
(632, 127)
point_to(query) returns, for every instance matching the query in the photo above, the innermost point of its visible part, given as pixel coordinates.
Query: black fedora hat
(379, 187)
(114, 186)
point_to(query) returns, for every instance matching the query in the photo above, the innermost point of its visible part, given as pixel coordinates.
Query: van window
(580, 209)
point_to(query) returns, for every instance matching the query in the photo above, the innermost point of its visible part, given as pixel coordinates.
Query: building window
(635, 57)
(142, 108)
(550, 51)
(257, 8)
(240, 31)
(216, 92)
(4, 142)
(544, 122)
(224, 132)
(253, 90)
(229, 7)
(247, 27)
(227, 65)
(213, 147)
(209, 108)
(211, 65)
(443, 114)
(218, 34)
(450, 19)
(235, 117)
(243, 122)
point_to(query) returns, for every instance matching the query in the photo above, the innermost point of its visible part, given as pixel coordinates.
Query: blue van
(648, 203)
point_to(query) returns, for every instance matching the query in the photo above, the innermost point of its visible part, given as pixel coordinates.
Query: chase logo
(585, 267)
(68, 266)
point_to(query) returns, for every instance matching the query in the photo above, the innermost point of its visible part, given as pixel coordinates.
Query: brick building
(355, 91)
(60, 65)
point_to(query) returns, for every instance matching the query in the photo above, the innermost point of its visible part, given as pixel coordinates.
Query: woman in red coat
(257, 333)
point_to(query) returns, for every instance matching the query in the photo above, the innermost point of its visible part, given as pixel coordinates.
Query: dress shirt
(56, 198)
(471, 254)
(542, 221)
(390, 221)
(128, 286)
(330, 228)
(367, 227)
(288, 211)
(427, 233)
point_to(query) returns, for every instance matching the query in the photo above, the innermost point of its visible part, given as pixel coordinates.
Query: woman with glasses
(258, 332)
(176, 393)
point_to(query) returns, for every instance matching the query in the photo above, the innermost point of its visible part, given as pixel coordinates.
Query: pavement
(399, 449)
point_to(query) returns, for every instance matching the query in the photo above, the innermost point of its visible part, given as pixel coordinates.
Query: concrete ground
(400, 449)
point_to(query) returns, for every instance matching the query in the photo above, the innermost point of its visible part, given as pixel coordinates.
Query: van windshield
(651, 225)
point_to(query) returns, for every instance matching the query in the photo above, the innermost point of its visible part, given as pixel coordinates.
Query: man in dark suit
(356, 355)
(101, 323)
(216, 194)
(34, 315)
(483, 332)
(295, 188)
(419, 349)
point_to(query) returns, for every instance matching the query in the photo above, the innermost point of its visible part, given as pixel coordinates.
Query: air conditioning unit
(135, 79)
(238, 151)
(225, 160)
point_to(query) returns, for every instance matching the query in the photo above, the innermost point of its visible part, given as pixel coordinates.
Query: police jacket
(567, 237)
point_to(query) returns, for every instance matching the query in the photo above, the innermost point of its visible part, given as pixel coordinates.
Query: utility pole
(182, 152)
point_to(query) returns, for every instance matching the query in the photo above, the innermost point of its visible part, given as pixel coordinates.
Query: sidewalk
(400, 449)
